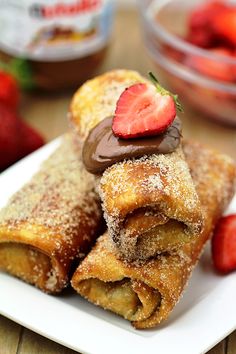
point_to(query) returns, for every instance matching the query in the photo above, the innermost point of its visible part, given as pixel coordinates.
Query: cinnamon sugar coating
(96, 99)
(156, 285)
(57, 213)
(141, 198)
(150, 204)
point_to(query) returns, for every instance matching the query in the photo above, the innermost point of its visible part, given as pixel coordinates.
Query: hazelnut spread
(62, 41)
(102, 148)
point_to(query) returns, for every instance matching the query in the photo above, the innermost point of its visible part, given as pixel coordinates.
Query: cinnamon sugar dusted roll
(51, 222)
(150, 205)
(149, 201)
(145, 292)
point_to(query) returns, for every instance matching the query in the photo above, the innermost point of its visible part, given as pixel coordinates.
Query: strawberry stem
(164, 92)
(21, 70)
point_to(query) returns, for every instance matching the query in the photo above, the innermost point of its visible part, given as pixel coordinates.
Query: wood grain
(231, 344)
(9, 336)
(48, 115)
(32, 343)
(218, 349)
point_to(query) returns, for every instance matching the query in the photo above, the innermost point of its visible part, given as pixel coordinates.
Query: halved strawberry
(224, 244)
(144, 110)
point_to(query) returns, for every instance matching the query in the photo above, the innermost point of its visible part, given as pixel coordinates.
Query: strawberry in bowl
(195, 52)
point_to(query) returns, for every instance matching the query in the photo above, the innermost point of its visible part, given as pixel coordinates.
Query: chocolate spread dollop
(102, 148)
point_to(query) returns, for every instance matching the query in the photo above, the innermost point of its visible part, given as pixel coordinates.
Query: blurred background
(47, 52)
(182, 42)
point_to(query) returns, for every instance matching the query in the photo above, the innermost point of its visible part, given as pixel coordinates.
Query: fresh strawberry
(31, 140)
(9, 91)
(202, 16)
(224, 244)
(144, 110)
(234, 65)
(200, 38)
(201, 21)
(225, 25)
(9, 136)
(213, 68)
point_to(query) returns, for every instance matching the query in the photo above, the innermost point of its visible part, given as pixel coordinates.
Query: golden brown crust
(57, 214)
(138, 195)
(26, 263)
(96, 99)
(165, 275)
(150, 205)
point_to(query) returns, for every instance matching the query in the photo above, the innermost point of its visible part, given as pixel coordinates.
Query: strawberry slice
(224, 244)
(144, 110)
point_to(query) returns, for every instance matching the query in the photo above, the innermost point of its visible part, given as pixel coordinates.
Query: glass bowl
(165, 26)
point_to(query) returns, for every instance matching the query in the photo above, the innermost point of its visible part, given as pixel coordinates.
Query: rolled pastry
(150, 204)
(51, 222)
(145, 292)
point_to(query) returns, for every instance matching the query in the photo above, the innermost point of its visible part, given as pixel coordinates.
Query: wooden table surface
(48, 115)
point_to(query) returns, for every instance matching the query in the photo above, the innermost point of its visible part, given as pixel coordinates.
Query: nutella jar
(60, 42)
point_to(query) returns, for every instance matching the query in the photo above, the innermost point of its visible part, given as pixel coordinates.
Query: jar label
(54, 30)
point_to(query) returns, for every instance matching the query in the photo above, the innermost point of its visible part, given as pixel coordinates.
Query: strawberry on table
(17, 139)
(224, 244)
(144, 110)
(9, 90)
(9, 136)
(31, 140)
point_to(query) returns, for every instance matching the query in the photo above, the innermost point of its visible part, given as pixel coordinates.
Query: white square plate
(204, 316)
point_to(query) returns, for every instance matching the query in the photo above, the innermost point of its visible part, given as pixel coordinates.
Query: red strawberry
(202, 16)
(31, 140)
(9, 90)
(143, 110)
(213, 68)
(200, 38)
(201, 21)
(225, 25)
(9, 136)
(224, 244)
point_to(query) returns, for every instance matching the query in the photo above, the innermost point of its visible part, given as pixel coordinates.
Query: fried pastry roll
(150, 203)
(51, 222)
(145, 292)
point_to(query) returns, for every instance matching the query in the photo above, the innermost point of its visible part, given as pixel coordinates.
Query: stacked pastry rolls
(145, 292)
(51, 222)
(150, 203)
(160, 211)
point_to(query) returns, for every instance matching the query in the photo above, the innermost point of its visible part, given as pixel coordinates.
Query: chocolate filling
(103, 149)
